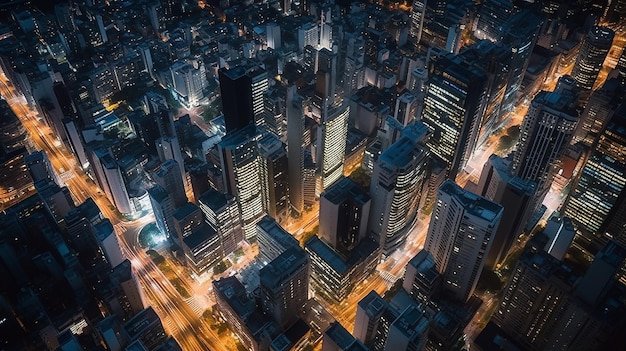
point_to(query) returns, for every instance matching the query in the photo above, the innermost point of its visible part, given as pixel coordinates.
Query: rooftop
(282, 267)
(473, 204)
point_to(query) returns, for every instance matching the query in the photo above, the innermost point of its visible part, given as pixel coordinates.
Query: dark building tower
(236, 95)
(595, 47)
(547, 128)
(515, 195)
(596, 203)
(453, 109)
(599, 109)
(490, 17)
(344, 211)
(285, 286)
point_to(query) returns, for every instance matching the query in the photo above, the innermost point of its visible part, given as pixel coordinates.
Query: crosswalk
(195, 306)
(389, 278)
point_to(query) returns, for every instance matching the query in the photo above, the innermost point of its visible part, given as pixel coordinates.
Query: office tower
(547, 128)
(327, 63)
(259, 83)
(146, 327)
(13, 135)
(417, 19)
(395, 189)
(295, 154)
(242, 174)
(495, 60)
(221, 212)
(547, 306)
(236, 96)
(127, 291)
(460, 234)
(595, 47)
(370, 314)
(598, 110)
(308, 35)
(460, 91)
(421, 278)
(273, 36)
(344, 210)
(163, 208)
(57, 200)
(275, 118)
(188, 82)
(284, 284)
(274, 171)
(109, 178)
(186, 219)
(242, 92)
(442, 23)
(337, 338)
(519, 33)
(331, 143)
(273, 239)
(326, 29)
(40, 168)
(202, 247)
(600, 191)
(515, 195)
(253, 328)
(492, 14)
(168, 177)
(334, 275)
(560, 234)
(107, 240)
(103, 84)
(406, 108)
(409, 331)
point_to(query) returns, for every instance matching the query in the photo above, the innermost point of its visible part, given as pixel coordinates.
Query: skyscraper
(594, 202)
(236, 95)
(598, 110)
(395, 188)
(222, 213)
(168, 177)
(274, 171)
(595, 47)
(127, 290)
(490, 17)
(344, 210)
(241, 170)
(515, 195)
(459, 237)
(285, 286)
(453, 109)
(417, 19)
(295, 153)
(547, 128)
(331, 143)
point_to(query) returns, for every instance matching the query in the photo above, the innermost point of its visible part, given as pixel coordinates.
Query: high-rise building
(110, 179)
(40, 168)
(490, 17)
(331, 143)
(146, 327)
(459, 237)
(259, 83)
(188, 83)
(417, 19)
(275, 175)
(326, 79)
(372, 316)
(107, 240)
(594, 49)
(308, 35)
(547, 128)
(242, 174)
(395, 189)
(421, 279)
(458, 90)
(163, 208)
(168, 177)
(284, 284)
(236, 96)
(519, 33)
(598, 110)
(344, 210)
(273, 239)
(337, 338)
(295, 153)
(409, 331)
(515, 195)
(127, 291)
(547, 306)
(272, 31)
(221, 212)
(187, 219)
(595, 200)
